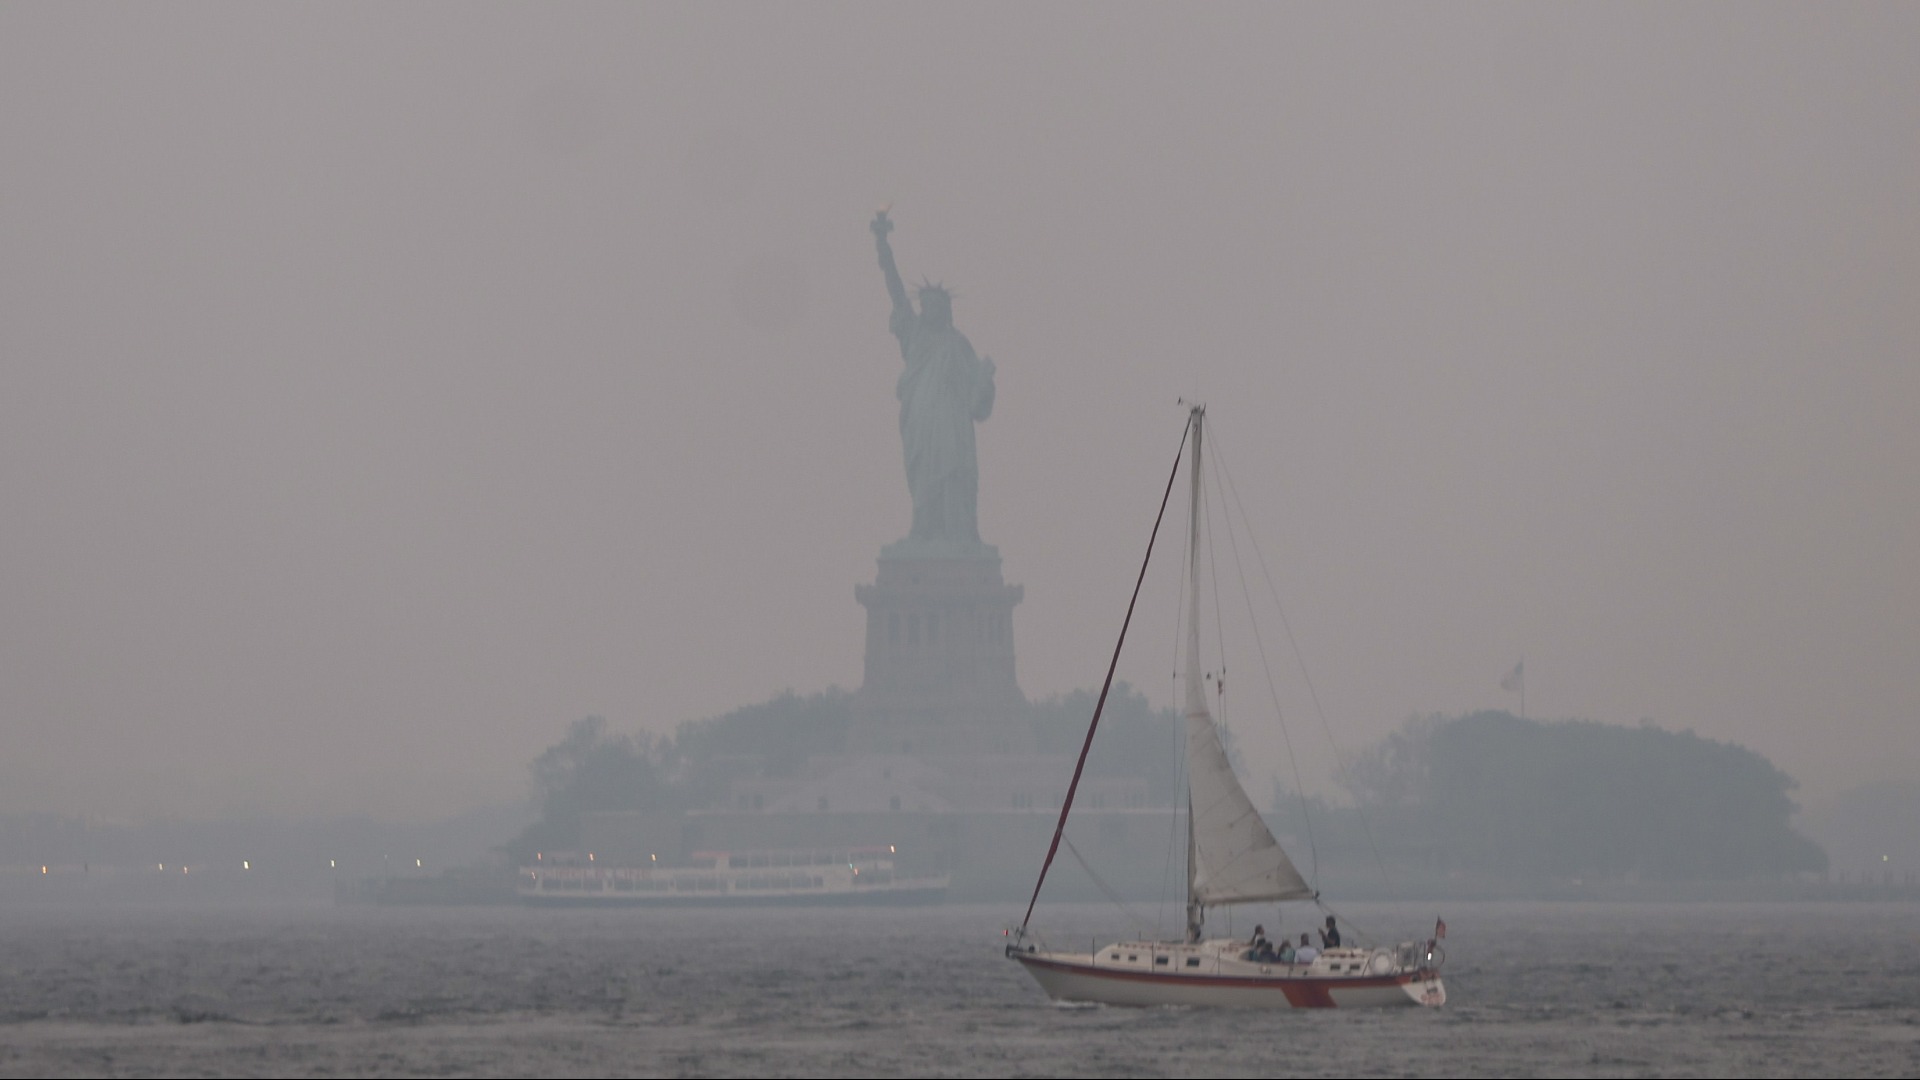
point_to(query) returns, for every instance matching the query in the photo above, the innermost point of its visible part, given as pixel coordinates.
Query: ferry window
(1133, 956)
(1160, 960)
(1115, 956)
(1193, 961)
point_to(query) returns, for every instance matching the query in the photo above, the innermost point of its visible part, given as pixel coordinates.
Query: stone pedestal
(939, 667)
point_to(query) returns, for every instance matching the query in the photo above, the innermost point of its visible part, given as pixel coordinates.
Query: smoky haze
(386, 388)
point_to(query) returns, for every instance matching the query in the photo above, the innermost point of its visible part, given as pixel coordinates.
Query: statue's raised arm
(897, 289)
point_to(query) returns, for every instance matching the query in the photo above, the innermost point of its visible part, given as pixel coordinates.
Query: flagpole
(1517, 680)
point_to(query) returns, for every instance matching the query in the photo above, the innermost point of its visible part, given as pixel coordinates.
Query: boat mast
(1196, 697)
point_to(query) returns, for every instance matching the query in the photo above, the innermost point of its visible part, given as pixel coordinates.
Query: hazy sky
(384, 387)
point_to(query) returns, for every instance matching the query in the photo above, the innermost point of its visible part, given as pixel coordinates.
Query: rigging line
(1138, 922)
(1339, 759)
(1273, 693)
(1219, 629)
(1359, 933)
(1179, 796)
(1173, 839)
(1080, 766)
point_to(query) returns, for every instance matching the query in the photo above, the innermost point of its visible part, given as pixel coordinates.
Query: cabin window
(1132, 957)
(1160, 961)
(1193, 961)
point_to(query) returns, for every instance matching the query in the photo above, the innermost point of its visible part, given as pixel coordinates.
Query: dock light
(332, 864)
(43, 871)
(654, 858)
(589, 856)
(162, 866)
(417, 863)
(245, 865)
(891, 849)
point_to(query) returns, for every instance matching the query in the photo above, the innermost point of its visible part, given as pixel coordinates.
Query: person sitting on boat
(1286, 954)
(1330, 937)
(1306, 953)
(1259, 948)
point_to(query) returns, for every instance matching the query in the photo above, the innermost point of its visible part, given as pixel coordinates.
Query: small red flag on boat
(1439, 928)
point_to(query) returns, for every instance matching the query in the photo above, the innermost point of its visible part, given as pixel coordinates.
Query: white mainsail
(1234, 858)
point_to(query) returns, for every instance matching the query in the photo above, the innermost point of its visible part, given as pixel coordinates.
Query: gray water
(1535, 989)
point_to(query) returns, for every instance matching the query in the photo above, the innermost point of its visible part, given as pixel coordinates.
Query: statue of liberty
(944, 390)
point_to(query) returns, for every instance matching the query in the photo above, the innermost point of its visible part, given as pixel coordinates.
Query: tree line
(1485, 793)
(1492, 793)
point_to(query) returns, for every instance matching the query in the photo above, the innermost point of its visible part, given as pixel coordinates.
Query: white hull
(1161, 974)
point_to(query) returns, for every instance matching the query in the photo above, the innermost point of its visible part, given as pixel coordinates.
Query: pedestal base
(939, 664)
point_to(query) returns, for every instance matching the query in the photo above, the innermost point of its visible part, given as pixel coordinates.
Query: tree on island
(1493, 793)
(591, 769)
(594, 769)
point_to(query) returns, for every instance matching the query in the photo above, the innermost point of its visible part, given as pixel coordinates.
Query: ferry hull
(1076, 980)
(785, 877)
(933, 891)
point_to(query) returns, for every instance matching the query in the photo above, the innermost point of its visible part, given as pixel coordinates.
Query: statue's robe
(943, 391)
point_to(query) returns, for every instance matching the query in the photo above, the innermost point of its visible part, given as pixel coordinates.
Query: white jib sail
(1235, 858)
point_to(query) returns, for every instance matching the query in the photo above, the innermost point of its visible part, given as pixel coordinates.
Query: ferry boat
(794, 876)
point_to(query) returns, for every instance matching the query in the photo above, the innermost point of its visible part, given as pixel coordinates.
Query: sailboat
(1232, 858)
